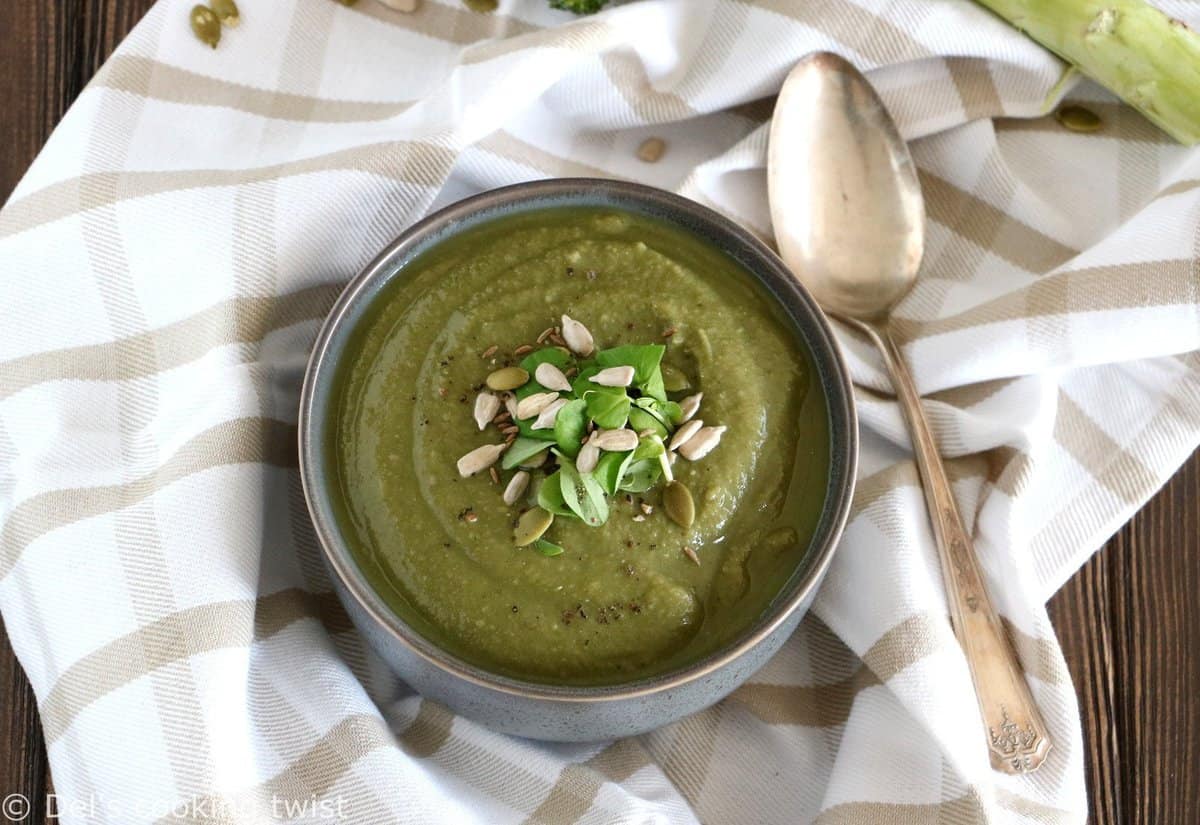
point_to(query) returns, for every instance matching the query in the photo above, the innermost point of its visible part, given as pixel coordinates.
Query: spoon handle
(1017, 735)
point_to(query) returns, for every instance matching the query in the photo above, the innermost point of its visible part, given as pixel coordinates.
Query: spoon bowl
(845, 199)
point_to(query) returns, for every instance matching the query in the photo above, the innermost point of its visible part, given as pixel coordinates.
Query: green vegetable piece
(610, 469)
(640, 475)
(205, 25)
(582, 493)
(677, 501)
(640, 419)
(654, 387)
(607, 406)
(226, 11)
(522, 450)
(550, 496)
(531, 525)
(547, 548)
(579, 6)
(581, 384)
(1129, 46)
(674, 379)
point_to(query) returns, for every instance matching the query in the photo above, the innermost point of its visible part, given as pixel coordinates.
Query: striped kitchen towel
(168, 258)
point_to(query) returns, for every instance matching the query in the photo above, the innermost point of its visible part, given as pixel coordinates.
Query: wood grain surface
(1129, 621)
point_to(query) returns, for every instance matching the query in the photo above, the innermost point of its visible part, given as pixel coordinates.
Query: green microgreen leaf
(547, 548)
(640, 475)
(570, 426)
(607, 406)
(640, 419)
(581, 384)
(649, 447)
(582, 493)
(653, 386)
(546, 355)
(550, 496)
(644, 358)
(611, 468)
(667, 412)
(521, 450)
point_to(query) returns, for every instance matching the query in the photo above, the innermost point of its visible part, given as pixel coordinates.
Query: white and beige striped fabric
(168, 258)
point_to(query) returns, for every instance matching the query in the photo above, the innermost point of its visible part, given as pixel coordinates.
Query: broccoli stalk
(579, 6)
(1148, 59)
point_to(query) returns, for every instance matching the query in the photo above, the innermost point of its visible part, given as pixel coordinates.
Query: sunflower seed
(690, 406)
(545, 419)
(486, 408)
(516, 487)
(551, 377)
(613, 377)
(535, 461)
(510, 404)
(479, 459)
(615, 441)
(589, 457)
(684, 433)
(702, 443)
(531, 405)
(577, 336)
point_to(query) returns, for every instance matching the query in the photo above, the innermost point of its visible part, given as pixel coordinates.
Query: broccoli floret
(579, 6)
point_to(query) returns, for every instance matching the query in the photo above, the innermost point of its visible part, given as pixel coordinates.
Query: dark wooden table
(1129, 621)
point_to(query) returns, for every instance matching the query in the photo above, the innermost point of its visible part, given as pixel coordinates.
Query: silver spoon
(850, 223)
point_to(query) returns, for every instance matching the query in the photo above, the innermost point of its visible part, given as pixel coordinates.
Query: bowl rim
(773, 275)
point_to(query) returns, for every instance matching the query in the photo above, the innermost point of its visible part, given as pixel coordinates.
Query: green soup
(625, 600)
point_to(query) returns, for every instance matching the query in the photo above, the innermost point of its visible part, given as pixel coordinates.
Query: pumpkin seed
(614, 377)
(689, 406)
(684, 433)
(551, 377)
(702, 443)
(486, 407)
(1078, 119)
(677, 501)
(531, 525)
(651, 149)
(508, 378)
(577, 336)
(480, 459)
(516, 488)
(532, 405)
(226, 11)
(674, 379)
(206, 25)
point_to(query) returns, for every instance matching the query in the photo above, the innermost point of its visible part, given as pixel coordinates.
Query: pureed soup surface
(625, 600)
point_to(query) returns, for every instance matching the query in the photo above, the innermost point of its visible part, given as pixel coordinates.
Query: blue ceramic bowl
(570, 713)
